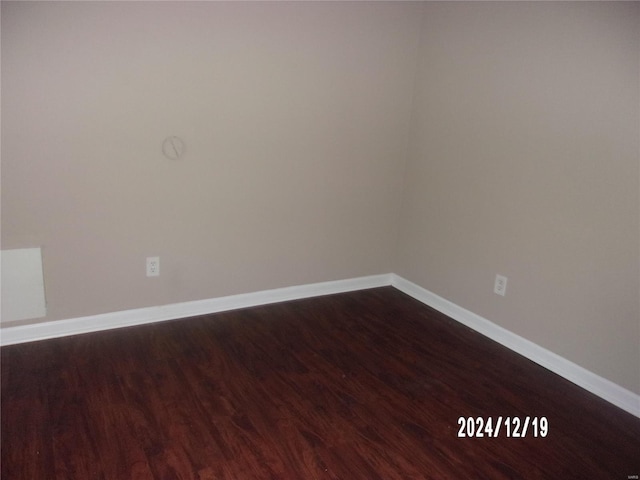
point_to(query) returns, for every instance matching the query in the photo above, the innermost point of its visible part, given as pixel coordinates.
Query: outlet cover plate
(500, 286)
(153, 266)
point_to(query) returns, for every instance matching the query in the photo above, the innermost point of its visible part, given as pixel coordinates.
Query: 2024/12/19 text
(510, 427)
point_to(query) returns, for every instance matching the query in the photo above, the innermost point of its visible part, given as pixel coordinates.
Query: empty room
(320, 240)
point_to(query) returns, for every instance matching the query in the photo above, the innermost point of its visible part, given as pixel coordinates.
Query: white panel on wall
(22, 284)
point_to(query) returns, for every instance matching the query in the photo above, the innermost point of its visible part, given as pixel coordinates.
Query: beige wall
(295, 118)
(522, 140)
(525, 162)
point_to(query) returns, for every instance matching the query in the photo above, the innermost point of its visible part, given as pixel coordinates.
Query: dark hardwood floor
(364, 385)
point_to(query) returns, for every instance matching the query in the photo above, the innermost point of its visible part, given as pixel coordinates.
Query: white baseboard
(582, 377)
(140, 316)
(591, 382)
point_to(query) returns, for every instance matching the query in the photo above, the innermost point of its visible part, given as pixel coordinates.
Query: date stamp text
(509, 427)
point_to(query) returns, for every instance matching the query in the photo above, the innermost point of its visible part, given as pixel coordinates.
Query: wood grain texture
(364, 385)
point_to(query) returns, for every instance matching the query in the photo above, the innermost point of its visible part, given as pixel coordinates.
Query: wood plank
(362, 385)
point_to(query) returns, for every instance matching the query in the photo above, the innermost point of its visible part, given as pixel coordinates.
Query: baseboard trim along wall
(582, 377)
(140, 316)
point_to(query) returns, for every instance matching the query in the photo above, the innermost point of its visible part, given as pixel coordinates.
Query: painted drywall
(524, 161)
(520, 125)
(294, 116)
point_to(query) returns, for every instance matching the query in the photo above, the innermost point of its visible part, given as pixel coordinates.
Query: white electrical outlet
(500, 287)
(153, 266)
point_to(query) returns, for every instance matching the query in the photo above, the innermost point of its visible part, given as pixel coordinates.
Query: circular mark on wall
(173, 147)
